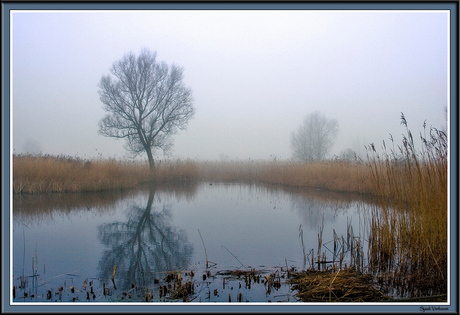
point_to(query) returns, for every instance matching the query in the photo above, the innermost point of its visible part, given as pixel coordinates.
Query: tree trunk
(151, 160)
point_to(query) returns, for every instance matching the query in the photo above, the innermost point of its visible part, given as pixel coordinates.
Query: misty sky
(255, 75)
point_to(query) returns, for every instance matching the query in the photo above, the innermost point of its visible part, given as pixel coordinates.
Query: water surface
(65, 246)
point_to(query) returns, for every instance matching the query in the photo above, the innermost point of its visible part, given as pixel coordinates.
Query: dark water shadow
(38, 207)
(144, 247)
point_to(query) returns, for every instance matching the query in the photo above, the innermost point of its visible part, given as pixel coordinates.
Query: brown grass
(408, 241)
(327, 175)
(343, 285)
(45, 173)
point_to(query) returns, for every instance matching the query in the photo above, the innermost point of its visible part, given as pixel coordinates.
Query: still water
(66, 246)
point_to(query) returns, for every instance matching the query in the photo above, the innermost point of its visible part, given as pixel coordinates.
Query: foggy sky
(255, 75)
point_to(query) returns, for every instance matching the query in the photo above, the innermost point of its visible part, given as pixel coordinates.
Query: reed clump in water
(408, 239)
(344, 285)
(179, 288)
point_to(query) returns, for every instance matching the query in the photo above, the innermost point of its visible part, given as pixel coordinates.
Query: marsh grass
(45, 173)
(333, 175)
(408, 240)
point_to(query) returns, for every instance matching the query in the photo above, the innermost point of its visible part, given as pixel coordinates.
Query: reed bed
(341, 252)
(408, 240)
(45, 173)
(333, 175)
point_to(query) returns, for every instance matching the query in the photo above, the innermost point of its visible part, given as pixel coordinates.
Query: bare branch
(146, 102)
(314, 137)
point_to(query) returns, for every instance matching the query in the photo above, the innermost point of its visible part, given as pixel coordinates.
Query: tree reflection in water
(143, 245)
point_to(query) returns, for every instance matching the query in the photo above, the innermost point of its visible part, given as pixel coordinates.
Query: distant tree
(314, 138)
(146, 102)
(348, 155)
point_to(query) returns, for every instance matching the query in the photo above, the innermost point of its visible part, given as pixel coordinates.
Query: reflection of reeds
(408, 240)
(42, 206)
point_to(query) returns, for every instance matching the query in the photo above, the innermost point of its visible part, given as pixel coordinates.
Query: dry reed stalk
(303, 247)
(409, 230)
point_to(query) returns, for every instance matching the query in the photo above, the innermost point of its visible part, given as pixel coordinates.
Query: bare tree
(348, 155)
(314, 137)
(146, 102)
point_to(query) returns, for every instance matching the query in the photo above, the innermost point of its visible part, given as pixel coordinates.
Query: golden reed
(408, 242)
(45, 173)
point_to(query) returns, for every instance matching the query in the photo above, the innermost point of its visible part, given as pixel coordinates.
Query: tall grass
(408, 241)
(334, 175)
(45, 173)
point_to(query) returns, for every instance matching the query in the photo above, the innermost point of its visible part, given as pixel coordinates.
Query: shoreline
(49, 174)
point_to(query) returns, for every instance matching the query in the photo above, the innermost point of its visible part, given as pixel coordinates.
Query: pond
(142, 245)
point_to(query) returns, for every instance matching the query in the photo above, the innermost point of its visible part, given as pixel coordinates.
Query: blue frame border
(275, 308)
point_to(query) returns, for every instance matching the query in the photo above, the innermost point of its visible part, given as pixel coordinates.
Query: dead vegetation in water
(343, 285)
(176, 287)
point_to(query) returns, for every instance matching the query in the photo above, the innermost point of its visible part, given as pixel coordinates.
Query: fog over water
(255, 75)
